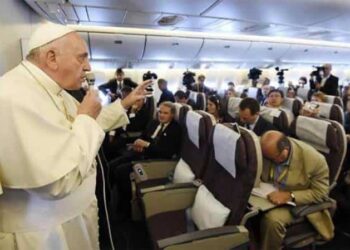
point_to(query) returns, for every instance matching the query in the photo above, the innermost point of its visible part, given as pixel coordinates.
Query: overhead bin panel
(116, 46)
(172, 48)
(266, 52)
(223, 50)
(315, 54)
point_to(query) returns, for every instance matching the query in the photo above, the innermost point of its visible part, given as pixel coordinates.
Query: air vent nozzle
(170, 20)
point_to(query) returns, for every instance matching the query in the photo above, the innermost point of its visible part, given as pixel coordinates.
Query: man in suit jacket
(329, 83)
(114, 86)
(301, 175)
(162, 139)
(166, 96)
(200, 87)
(249, 117)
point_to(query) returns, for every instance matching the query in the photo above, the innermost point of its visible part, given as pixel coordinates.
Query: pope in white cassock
(48, 145)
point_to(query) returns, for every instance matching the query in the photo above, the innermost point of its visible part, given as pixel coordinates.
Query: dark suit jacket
(113, 86)
(77, 94)
(331, 86)
(261, 126)
(200, 88)
(167, 144)
(166, 96)
(139, 122)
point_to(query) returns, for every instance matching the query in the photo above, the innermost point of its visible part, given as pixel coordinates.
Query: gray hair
(170, 105)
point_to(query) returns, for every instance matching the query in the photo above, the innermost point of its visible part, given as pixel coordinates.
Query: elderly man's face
(72, 62)
(164, 114)
(327, 69)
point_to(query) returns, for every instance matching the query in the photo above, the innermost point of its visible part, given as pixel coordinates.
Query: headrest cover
(233, 106)
(47, 33)
(330, 99)
(302, 92)
(193, 96)
(192, 124)
(288, 103)
(270, 113)
(313, 131)
(252, 92)
(325, 109)
(178, 107)
(225, 142)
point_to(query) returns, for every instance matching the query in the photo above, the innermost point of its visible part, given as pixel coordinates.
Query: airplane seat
(152, 175)
(180, 114)
(303, 94)
(331, 111)
(199, 99)
(207, 217)
(278, 117)
(292, 104)
(151, 107)
(232, 109)
(330, 140)
(334, 100)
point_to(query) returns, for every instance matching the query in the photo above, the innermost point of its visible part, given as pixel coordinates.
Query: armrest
(202, 234)
(169, 186)
(252, 212)
(153, 169)
(168, 200)
(304, 210)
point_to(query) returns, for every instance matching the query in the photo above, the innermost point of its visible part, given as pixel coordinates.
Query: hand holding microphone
(91, 104)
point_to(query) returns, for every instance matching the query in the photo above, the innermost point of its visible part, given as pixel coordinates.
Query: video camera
(254, 75)
(280, 74)
(188, 78)
(149, 76)
(316, 76)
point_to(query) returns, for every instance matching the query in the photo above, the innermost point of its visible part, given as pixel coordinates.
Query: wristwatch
(292, 196)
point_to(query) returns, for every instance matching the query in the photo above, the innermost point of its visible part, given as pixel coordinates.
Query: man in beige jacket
(301, 175)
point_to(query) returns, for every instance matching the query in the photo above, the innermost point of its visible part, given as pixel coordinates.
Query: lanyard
(282, 176)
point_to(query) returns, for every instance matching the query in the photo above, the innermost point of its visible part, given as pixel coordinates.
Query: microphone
(90, 79)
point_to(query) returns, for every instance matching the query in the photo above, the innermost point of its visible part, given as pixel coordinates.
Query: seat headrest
(178, 108)
(192, 124)
(193, 96)
(303, 93)
(252, 92)
(318, 133)
(270, 113)
(325, 109)
(225, 142)
(233, 106)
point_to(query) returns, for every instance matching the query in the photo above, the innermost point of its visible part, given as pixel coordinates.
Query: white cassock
(47, 164)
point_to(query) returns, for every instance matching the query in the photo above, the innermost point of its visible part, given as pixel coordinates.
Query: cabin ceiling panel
(293, 12)
(266, 52)
(222, 51)
(106, 15)
(172, 6)
(116, 46)
(171, 48)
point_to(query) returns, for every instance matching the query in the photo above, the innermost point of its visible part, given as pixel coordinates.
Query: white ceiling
(307, 19)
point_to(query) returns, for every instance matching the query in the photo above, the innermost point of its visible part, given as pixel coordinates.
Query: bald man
(329, 83)
(300, 174)
(48, 145)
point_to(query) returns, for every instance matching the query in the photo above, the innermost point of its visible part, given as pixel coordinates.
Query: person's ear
(51, 59)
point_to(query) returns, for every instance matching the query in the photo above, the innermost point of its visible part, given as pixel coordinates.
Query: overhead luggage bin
(116, 46)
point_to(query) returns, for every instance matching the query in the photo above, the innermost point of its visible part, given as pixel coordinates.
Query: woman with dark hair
(214, 108)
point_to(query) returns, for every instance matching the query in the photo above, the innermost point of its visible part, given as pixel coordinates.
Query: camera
(316, 76)
(188, 78)
(149, 76)
(254, 75)
(280, 74)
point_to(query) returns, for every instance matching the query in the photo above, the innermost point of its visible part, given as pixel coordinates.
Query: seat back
(292, 104)
(329, 139)
(232, 108)
(334, 100)
(180, 113)
(195, 146)
(331, 111)
(232, 168)
(151, 107)
(278, 117)
(303, 93)
(199, 99)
